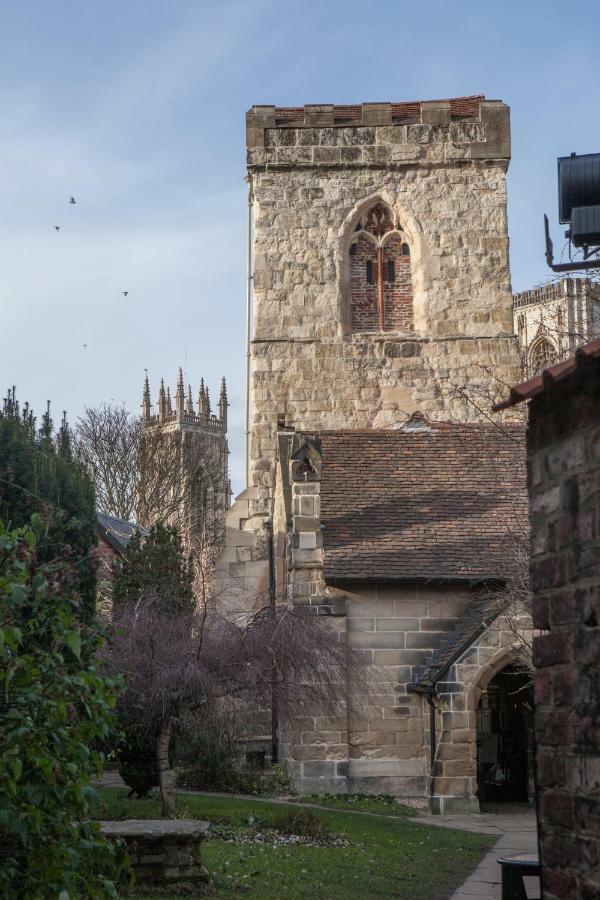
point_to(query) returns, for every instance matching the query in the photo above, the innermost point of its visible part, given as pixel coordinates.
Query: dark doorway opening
(505, 738)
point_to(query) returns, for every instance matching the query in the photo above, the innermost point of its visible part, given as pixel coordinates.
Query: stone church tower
(383, 334)
(381, 276)
(185, 462)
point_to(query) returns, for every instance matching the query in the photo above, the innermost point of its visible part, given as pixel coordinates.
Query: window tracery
(380, 273)
(541, 356)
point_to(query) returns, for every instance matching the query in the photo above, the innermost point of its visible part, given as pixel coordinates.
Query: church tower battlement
(381, 273)
(183, 412)
(187, 460)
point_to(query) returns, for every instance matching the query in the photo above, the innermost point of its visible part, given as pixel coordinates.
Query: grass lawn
(385, 806)
(386, 858)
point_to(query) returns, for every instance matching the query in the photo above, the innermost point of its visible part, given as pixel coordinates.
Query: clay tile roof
(561, 371)
(421, 504)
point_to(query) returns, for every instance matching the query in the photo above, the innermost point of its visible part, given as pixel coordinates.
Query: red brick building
(564, 491)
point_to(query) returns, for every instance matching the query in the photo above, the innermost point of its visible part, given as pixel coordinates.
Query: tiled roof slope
(118, 532)
(454, 646)
(421, 505)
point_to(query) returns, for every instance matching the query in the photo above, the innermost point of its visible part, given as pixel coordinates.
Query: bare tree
(153, 475)
(107, 440)
(514, 600)
(174, 665)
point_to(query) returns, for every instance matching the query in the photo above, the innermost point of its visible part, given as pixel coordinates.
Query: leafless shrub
(173, 665)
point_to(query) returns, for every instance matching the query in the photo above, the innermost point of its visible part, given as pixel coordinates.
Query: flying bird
(85, 345)
(125, 293)
(72, 200)
(57, 227)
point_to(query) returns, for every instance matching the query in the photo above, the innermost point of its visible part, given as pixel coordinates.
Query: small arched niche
(380, 276)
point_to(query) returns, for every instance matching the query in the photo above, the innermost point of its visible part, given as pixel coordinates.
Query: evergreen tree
(38, 475)
(155, 568)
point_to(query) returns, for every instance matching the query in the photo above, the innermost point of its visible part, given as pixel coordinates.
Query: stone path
(515, 827)
(517, 833)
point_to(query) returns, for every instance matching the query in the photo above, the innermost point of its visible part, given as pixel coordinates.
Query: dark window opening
(391, 270)
(369, 271)
(405, 250)
(353, 249)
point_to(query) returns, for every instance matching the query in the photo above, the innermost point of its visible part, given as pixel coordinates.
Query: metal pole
(432, 742)
(248, 179)
(273, 607)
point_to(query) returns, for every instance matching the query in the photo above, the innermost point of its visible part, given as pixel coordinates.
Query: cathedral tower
(185, 465)
(381, 278)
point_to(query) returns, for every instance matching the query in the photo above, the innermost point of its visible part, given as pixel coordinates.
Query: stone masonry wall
(564, 482)
(445, 182)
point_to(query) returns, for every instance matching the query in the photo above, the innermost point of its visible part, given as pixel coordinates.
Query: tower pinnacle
(202, 411)
(223, 404)
(189, 406)
(146, 400)
(180, 395)
(162, 401)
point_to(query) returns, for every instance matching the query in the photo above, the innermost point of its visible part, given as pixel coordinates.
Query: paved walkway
(514, 826)
(517, 833)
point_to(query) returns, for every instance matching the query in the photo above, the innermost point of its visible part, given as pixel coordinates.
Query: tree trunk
(165, 773)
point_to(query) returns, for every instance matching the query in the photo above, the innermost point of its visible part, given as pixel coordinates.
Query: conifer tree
(38, 475)
(154, 568)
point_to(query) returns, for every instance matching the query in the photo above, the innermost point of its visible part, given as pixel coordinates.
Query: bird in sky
(57, 227)
(125, 293)
(72, 200)
(85, 345)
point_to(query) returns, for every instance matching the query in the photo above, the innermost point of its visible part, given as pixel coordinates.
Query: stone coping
(156, 829)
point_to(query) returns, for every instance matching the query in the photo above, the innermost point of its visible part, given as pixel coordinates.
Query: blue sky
(136, 108)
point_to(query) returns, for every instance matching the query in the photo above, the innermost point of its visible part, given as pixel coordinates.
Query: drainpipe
(272, 608)
(249, 279)
(432, 738)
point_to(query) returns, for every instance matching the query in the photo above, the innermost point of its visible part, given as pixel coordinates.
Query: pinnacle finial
(146, 400)
(189, 406)
(223, 403)
(203, 401)
(180, 394)
(162, 401)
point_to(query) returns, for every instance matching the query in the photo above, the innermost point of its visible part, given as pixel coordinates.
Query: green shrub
(137, 761)
(56, 710)
(305, 823)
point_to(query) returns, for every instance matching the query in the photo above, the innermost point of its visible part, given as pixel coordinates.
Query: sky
(136, 108)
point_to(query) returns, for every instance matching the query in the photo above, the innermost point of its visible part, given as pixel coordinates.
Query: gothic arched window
(380, 274)
(541, 355)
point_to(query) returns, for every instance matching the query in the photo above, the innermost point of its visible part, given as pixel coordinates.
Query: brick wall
(564, 480)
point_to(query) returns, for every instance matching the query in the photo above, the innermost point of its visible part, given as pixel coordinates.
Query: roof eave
(472, 580)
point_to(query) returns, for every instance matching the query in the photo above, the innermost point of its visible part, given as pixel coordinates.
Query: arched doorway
(505, 738)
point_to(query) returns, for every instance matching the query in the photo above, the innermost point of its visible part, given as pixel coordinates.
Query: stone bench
(162, 851)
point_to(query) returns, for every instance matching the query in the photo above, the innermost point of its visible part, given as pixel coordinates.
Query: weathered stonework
(446, 349)
(163, 851)
(553, 320)
(445, 182)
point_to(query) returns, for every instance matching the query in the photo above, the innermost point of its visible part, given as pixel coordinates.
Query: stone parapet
(378, 134)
